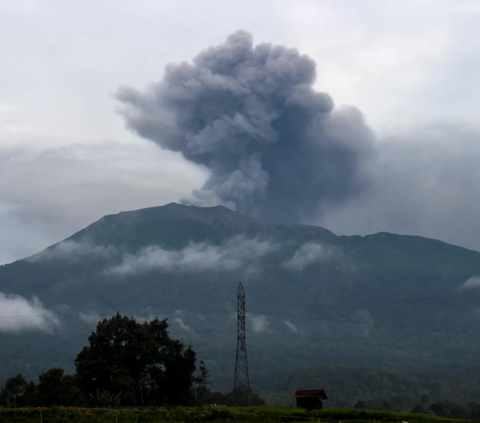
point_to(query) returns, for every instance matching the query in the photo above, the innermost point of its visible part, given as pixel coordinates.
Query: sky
(68, 157)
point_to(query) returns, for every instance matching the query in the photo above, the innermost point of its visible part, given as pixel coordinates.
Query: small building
(310, 398)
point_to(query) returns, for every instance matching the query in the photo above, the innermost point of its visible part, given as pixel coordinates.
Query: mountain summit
(175, 224)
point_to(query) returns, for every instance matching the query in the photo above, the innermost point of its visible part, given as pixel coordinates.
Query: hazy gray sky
(411, 67)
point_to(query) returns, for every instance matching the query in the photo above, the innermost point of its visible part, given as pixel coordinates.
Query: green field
(183, 414)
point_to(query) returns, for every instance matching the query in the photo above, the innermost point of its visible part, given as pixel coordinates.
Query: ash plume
(275, 147)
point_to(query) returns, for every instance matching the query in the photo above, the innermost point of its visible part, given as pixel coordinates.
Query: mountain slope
(312, 297)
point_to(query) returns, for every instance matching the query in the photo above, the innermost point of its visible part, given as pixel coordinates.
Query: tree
(438, 408)
(200, 384)
(417, 409)
(13, 390)
(360, 405)
(137, 360)
(56, 388)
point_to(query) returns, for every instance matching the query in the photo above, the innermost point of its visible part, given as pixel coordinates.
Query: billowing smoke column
(275, 146)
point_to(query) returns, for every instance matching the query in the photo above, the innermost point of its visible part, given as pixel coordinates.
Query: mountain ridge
(232, 217)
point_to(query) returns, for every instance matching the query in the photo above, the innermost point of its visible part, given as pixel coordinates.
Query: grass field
(219, 415)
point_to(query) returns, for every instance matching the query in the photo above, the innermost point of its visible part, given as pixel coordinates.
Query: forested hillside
(313, 298)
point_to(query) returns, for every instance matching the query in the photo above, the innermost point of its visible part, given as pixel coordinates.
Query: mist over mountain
(313, 297)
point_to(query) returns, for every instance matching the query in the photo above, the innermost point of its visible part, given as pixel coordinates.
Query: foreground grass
(207, 415)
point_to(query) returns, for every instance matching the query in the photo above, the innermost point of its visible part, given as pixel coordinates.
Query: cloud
(292, 327)
(182, 324)
(20, 235)
(365, 320)
(18, 314)
(89, 317)
(71, 251)
(425, 182)
(259, 322)
(309, 253)
(151, 316)
(46, 194)
(237, 253)
(471, 283)
(274, 146)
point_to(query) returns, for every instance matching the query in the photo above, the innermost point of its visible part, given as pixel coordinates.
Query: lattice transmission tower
(242, 378)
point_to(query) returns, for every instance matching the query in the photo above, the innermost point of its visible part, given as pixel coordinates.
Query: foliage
(126, 363)
(107, 399)
(56, 388)
(200, 415)
(376, 388)
(138, 362)
(13, 391)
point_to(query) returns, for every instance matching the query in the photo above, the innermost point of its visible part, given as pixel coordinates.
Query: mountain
(313, 297)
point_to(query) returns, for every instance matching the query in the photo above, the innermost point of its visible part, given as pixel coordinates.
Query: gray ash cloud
(275, 147)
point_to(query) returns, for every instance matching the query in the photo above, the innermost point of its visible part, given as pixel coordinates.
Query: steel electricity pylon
(242, 378)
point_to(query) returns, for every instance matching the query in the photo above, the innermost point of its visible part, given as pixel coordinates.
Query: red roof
(299, 393)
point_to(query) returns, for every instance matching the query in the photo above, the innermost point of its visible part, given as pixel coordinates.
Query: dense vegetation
(453, 392)
(197, 415)
(126, 363)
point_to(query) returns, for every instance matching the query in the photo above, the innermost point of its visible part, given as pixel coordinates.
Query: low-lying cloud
(89, 317)
(182, 325)
(259, 322)
(471, 283)
(292, 327)
(237, 253)
(309, 253)
(70, 250)
(19, 314)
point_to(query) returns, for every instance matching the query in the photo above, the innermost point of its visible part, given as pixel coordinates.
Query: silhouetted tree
(56, 388)
(137, 360)
(360, 405)
(418, 409)
(200, 384)
(13, 390)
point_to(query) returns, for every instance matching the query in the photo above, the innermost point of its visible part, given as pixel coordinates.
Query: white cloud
(17, 314)
(182, 324)
(260, 323)
(471, 283)
(238, 253)
(309, 253)
(71, 251)
(292, 327)
(384, 64)
(89, 317)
